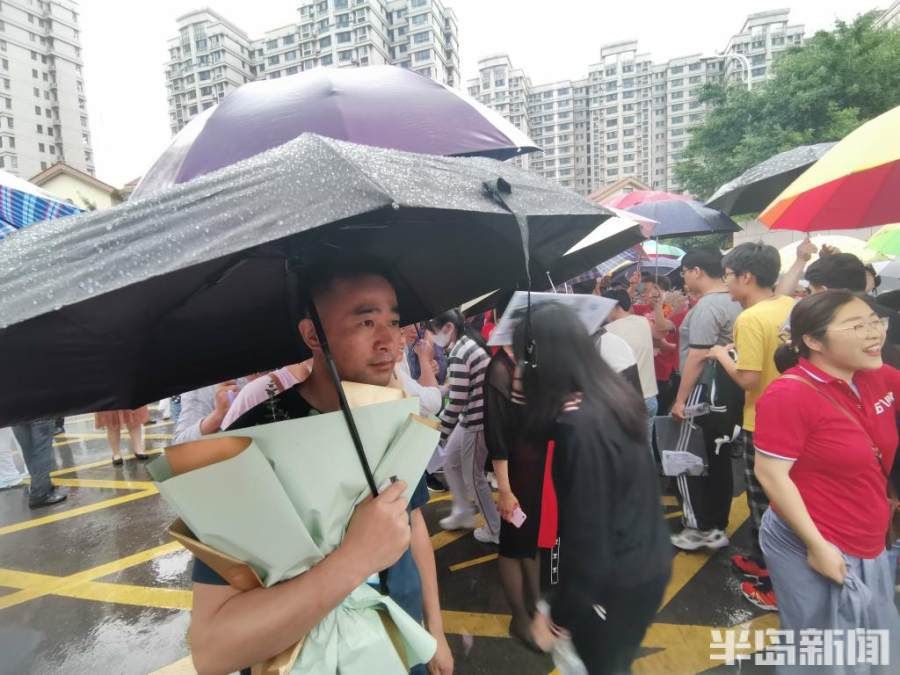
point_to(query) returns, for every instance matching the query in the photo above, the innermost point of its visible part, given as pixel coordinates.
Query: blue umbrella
(684, 216)
(23, 203)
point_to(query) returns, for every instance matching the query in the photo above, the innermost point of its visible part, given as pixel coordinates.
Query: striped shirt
(466, 369)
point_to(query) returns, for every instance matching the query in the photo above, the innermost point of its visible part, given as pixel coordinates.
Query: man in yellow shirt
(751, 271)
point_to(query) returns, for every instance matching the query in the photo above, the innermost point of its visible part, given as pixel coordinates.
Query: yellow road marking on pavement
(94, 465)
(668, 500)
(81, 467)
(441, 539)
(444, 537)
(127, 594)
(124, 432)
(101, 483)
(686, 648)
(81, 510)
(96, 436)
(441, 497)
(674, 514)
(81, 584)
(686, 565)
(473, 562)
(478, 624)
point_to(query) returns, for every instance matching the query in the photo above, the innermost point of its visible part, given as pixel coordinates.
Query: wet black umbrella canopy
(199, 283)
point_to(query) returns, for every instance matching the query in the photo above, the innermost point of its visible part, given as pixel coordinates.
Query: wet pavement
(94, 585)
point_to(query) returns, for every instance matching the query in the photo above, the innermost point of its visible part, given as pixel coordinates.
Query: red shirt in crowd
(835, 468)
(665, 362)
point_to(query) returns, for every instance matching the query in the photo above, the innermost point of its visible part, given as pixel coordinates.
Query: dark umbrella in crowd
(755, 189)
(350, 104)
(198, 284)
(679, 217)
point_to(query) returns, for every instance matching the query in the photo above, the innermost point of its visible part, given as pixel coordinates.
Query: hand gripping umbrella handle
(348, 416)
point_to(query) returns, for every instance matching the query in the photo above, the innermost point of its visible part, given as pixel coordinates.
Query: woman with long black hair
(615, 555)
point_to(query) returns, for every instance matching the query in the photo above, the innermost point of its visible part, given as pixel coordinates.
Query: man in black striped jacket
(462, 429)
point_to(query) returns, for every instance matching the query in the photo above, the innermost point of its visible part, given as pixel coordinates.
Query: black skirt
(526, 478)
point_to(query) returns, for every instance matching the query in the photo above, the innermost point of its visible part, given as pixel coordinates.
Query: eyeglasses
(728, 275)
(864, 329)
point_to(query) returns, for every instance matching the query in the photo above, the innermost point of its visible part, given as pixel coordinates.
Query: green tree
(819, 92)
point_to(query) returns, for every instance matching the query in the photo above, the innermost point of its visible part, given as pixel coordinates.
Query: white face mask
(441, 339)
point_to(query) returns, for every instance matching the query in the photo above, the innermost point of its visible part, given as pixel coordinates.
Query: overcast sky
(124, 46)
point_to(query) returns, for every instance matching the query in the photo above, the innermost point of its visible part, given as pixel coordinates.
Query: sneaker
(485, 536)
(749, 567)
(761, 594)
(463, 520)
(690, 539)
(434, 483)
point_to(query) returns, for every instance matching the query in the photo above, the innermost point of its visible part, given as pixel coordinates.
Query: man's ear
(308, 332)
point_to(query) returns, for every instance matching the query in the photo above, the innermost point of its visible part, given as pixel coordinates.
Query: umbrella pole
(348, 416)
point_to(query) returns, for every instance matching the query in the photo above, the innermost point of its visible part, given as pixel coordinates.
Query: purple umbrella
(383, 106)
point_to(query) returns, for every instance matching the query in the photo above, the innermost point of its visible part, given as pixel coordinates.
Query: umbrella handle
(348, 416)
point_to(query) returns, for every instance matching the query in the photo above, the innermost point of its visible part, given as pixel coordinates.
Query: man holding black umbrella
(230, 629)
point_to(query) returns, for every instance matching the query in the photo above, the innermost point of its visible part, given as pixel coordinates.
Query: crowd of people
(562, 422)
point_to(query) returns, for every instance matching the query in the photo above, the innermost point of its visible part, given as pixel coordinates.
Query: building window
(419, 20)
(325, 42)
(327, 60)
(272, 44)
(288, 40)
(422, 55)
(344, 38)
(41, 147)
(419, 38)
(273, 61)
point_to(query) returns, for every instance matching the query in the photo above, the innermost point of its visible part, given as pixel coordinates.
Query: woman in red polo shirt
(825, 441)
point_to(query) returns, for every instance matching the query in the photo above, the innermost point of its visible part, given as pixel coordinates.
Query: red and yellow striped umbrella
(856, 184)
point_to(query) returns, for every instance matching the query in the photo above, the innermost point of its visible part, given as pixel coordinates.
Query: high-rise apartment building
(211, 56)
(631, 117)
(762, 37)
(43, 110)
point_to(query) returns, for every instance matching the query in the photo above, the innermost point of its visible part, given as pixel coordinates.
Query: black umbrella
(198, 284)
(610, 238)
(679, 217)
(759, 185)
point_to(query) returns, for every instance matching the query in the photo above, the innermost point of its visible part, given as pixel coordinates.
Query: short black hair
(839, 271)
(620, 296)
(760, 260)
(317, 278)
(870, 269)
(658, 279)
(585, 287)
(707, 258)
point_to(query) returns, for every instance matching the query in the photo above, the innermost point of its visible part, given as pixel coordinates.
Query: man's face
(362, 322)
(410, 334)
(690, 276)
(737, 284)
